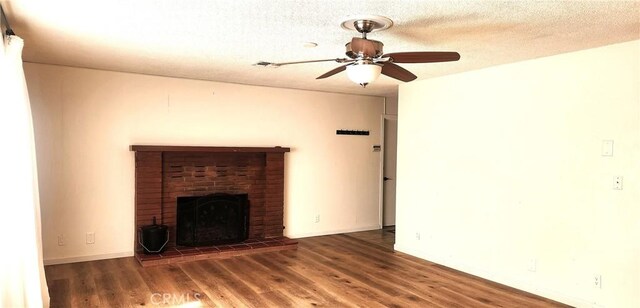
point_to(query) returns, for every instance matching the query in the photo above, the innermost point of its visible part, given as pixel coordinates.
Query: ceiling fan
(366, 61)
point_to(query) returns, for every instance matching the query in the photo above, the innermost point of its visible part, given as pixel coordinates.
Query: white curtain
(22, 280)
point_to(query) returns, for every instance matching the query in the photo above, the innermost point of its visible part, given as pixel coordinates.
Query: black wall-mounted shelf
(352, 132)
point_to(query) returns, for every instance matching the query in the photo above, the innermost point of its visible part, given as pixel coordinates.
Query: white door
(389, 185)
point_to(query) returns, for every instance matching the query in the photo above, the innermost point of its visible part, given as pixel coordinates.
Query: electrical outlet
(617, 182)
(317, 220)
(91, 238)
(597, 281)
(61, 240)
(418, 236)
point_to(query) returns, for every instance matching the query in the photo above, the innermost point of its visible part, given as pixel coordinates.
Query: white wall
(501, 167)
(85, 121)
(391, 105)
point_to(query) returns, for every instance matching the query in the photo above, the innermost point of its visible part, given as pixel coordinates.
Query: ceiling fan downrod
(364, 26)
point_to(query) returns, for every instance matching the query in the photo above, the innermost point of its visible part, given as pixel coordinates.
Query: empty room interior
(321, 153)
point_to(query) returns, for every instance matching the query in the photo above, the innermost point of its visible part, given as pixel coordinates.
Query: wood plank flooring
(348, 270)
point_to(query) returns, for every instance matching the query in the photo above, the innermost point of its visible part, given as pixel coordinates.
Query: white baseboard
(88, 258)
(336, 231)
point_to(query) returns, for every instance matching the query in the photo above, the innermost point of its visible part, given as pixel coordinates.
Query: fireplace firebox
(212, 219)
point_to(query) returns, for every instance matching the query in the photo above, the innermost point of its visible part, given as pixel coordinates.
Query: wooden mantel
(171, 148)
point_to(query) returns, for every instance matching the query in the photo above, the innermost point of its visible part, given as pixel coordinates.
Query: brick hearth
(164, 173)
(184, 254)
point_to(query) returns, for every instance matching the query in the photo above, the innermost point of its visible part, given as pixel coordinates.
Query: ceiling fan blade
(366, 47)
(274, 64)
(423, 56)
(397, 72)
(333, 71)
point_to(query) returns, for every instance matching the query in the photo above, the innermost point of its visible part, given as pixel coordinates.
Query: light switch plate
(607, 147)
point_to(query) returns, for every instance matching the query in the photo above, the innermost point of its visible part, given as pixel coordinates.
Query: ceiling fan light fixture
(364, 74)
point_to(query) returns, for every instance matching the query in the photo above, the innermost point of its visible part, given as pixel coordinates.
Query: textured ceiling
(220, 40)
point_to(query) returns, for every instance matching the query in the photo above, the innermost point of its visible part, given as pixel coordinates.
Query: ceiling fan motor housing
(372, 50)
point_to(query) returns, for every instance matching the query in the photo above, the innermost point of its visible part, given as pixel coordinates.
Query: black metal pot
(153, 238)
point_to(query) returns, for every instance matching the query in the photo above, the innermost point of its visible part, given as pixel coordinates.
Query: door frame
(381, 174)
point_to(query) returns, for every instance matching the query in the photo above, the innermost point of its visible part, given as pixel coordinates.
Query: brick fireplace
(164, 173)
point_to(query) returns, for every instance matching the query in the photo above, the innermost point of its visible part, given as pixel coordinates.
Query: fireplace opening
(212, 219)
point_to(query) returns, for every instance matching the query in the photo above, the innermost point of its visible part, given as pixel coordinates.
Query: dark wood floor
(348, 270)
